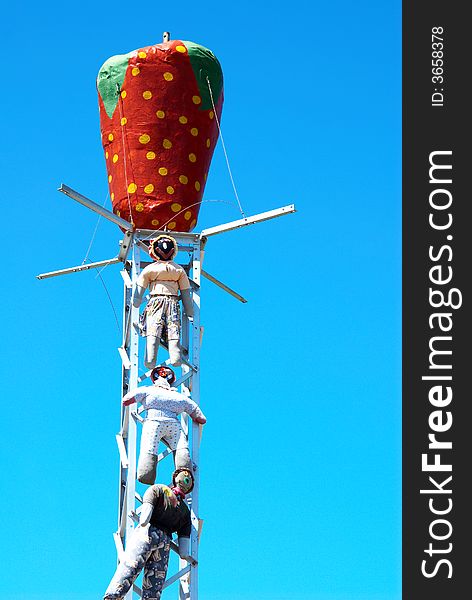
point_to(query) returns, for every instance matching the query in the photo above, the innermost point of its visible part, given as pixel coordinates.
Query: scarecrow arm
(138, 296)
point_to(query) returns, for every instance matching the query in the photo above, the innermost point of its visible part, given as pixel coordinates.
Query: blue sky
(301, 479)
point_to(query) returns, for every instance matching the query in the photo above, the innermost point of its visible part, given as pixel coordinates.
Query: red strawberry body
(159, 131)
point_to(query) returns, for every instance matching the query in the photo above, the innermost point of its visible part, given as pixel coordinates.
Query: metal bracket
(125, 245)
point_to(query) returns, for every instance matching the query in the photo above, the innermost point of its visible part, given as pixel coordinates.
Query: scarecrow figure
(163, 513)
(163, 405)
(161, 317)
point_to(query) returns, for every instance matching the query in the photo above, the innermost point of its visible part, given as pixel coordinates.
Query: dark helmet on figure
(165, 372)
(182, 480)
(163, 247)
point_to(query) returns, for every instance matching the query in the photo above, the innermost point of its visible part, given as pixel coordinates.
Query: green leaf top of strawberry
(204, 63)
(111, 75)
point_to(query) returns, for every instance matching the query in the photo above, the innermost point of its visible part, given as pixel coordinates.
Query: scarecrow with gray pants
(163, 513)
(161, 317)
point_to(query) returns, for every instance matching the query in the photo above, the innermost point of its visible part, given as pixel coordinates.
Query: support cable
(185, 209)
(94, 232)
(123, 141)
(108, 295)
(224, 149)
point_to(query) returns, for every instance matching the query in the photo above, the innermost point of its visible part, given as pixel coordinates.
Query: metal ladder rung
(124, 358)
(126, 278)
(119, 545)
(137, 417)
(178, 575)
(162, 455)
(122, 450)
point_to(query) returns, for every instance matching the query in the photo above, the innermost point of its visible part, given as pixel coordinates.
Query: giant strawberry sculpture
(157, 118)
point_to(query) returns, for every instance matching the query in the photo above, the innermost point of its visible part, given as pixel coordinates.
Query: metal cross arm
(125, 243)
(265, 216)
(65, 189)
(85, 267)
(223, 286)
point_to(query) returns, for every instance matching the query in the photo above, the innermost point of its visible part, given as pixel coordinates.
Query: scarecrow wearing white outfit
(161, 317)
(163, 405)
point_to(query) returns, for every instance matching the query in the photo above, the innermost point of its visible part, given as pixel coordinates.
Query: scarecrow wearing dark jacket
(163, 513)
(161, 317)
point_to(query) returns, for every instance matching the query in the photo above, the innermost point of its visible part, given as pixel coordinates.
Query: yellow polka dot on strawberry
(197, 186)
(183, 179)
(106, 154)
(142, 54)
(135, 71)
(112, 196)
(124, 120)
(208, 143)
(110, 137)
(140, 207)
(187, 215)
(115, 158)
(196, 99)
(192, 157)
(160, 114)
(183, 120)
(123, 94)
(132, 188)
(155, 222)
(170, 189)
(181, 49)
(171, 225)
(168, 76)
(162, 171)
(144, 138)
(147, 95)
(118, 213)
(149, 188)
(211, 114)
(150, 155)
(193, 223)
(167, 143)
(194, 131)
(110, 177)
(176, 207)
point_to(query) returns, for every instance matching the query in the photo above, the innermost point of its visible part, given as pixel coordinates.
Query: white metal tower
(133, 246)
